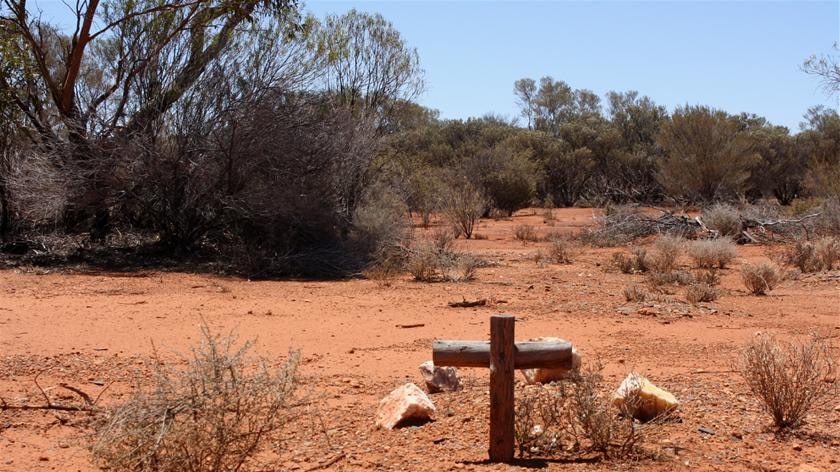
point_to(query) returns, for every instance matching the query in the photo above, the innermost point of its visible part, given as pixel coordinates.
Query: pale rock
(542, 376)
(642, 399)
(404, 403)
(440, 379)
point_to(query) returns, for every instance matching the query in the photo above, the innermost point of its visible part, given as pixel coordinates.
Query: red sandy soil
(84, 329)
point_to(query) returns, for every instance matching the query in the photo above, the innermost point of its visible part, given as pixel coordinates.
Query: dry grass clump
(708, 277)
(635, 262)
(700, 292)
(760, 278)
(710, 253)
(723, 218)
(526, 234)
(577, 414)
(560, 249)
(677, 277)
(666, 251)
(789, 378)
(635, 293)
(435, 260)
(216, 416)
(813, 256)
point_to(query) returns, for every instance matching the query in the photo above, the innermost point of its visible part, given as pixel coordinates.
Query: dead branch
(468, 303)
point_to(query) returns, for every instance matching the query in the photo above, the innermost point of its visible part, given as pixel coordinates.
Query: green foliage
(820, 139)
(512, 182)
(707, 156)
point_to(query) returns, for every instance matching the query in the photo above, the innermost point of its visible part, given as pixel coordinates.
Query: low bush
(635, 293)
(217, 415)
(560, 249)
(666, 251)
(435, 260)
(813, 256)
(723, 218)
(710, 253)
(635, 262)
(577, 414)
(677, 277)
(708, 277)
(760, 278)
(696, 293)
(790, 379)
(526, 234)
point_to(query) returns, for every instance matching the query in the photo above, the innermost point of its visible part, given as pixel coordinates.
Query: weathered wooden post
(502, 355)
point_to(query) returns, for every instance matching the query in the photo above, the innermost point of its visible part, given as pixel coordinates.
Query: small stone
(706, 430)
(440, 379)
(797, 447)
(648, 400)
(404, 403)
(737, 435)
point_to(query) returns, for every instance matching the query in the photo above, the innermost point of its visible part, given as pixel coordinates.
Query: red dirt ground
(86, 329)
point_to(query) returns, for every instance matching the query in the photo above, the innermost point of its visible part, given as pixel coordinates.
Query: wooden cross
(502, 355)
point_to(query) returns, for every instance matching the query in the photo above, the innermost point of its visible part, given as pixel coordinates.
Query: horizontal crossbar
(528, 354)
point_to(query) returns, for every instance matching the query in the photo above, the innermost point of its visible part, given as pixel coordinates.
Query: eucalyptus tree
(827, 68)
(707, 154)
(369, 66)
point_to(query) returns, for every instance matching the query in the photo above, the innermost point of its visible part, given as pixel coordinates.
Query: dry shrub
(723, 218)
(217, 415)
(526, 234)
(666, 251)
(677, 277)
(435, 260)
(708, 277)
(828, 221)
(636, 262)
(709, 253)
(460, 267)
(560, 249)
(696, 293)
(577, 414)
(760, 278)
(813, 256)
(635, 293)
(789, 378)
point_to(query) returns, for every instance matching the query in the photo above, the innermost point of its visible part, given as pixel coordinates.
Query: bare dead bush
(790, 379)
(696, 293)
(723, 218)
(813, 256)
(217, 415)
(710, 253)
(635, 293)
(526, 234)
(760, 278)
